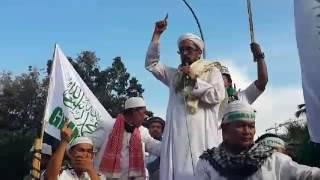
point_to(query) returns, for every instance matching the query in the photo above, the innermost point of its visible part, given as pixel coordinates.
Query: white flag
(69, 97)
(307, 22)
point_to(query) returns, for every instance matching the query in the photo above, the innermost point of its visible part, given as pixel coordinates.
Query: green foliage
(24, 96)
(305, 151)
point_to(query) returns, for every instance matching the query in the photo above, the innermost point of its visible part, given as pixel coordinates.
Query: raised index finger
(165, 19)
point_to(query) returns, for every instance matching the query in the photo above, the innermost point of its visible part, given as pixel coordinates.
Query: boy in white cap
(121, 149)
(238, 158)
(80, 152)
(196, 90)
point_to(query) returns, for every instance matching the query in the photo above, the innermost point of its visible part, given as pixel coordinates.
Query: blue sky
(29, 30)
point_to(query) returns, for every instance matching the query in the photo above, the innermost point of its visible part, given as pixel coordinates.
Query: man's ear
(199, 53)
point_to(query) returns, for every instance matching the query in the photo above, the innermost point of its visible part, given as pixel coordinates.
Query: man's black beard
(158, 138)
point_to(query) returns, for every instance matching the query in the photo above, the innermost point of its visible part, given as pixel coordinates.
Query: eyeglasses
(186, 50)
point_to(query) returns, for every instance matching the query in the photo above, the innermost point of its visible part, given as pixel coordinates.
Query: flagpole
(252, 36)
(36, 162)
(199, 26)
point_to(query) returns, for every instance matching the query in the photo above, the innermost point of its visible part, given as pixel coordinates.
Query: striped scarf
(110, 163)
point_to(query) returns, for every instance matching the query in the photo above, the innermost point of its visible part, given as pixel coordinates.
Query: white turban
(134, 102)
(238, 111)
(79, 140)
(192, 37)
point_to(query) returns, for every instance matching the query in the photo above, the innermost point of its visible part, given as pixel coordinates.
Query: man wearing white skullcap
(121, 150)
(80, 152)
(237, 157)
(196, 90)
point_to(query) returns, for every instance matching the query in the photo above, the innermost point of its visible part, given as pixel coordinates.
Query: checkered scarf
(237, 166)
(110, 164)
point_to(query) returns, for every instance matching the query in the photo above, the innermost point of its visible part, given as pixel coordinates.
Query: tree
(23, 98)
(118, 87)
(21, 108)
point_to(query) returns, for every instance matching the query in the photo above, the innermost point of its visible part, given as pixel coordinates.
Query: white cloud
(275, 105)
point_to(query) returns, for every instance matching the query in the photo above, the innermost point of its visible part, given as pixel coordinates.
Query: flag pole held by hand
(251, 24)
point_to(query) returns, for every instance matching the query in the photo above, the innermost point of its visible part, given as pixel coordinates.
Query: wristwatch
(259, 56)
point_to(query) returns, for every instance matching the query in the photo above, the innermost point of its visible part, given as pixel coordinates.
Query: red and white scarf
(110, 163)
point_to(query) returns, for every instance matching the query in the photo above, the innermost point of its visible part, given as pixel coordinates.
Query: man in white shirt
(238, 158)
(255, 89)
(121, 149)
(196, 91)
(80, 152)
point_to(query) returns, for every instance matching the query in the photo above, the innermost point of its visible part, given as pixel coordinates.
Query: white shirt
(277, 167)
(250, 94)
(70, 174)
(100, 139)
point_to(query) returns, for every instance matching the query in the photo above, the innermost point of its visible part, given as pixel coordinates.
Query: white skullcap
(192, 37)
(79, 140)
(134, 102)
(238, 111)
(224, 70)
(273, 142)
(46, 149)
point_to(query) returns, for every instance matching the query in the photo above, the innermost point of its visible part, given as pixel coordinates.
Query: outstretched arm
(152, 63)
(54, 165)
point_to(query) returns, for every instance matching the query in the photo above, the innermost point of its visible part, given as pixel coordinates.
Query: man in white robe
(196, 90)
(238, 158)
(121, 148)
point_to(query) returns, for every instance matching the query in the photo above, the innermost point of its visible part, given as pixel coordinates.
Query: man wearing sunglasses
(196, 90)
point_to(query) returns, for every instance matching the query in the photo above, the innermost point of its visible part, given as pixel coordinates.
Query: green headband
(238, 116)
(273, 142)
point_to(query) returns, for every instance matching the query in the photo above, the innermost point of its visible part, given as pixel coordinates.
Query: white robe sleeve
(152, 145)
(153, 64)
(250, 94)
(211, 92)
(288, 169)
(202, 172)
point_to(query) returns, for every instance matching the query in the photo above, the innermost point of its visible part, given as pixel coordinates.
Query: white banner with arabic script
(307, 22)
(69, 97)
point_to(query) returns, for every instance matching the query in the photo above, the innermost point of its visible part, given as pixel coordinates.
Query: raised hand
(256, 51)
(66, 132)
(86, 163)
(161, 26)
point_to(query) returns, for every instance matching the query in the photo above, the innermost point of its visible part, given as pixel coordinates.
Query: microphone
(186, 75)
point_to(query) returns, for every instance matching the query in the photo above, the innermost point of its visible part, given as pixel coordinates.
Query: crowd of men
(208, 133)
